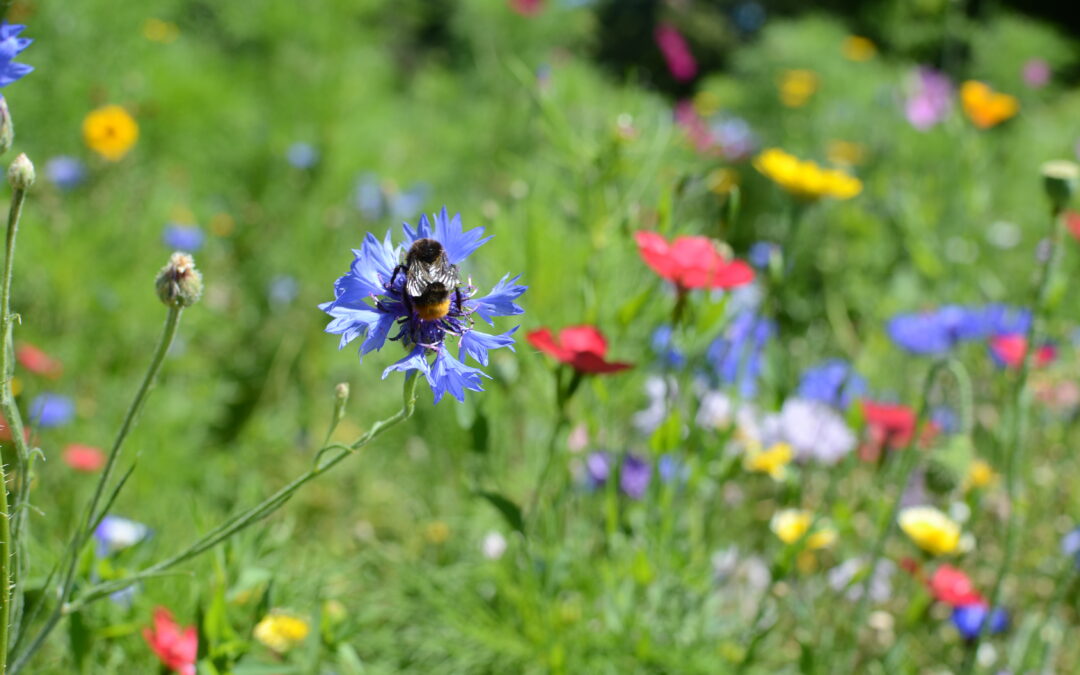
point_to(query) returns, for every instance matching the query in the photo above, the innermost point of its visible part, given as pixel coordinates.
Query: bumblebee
(430, 279)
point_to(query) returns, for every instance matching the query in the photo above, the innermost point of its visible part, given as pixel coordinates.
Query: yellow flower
(110, 131)
(791, 524)
(156, 30)
(721, 181)
(805, 179)
(437, 532)
(773, 461)
(845, 153)
(985, 107)
(280, 631)
(980, 474)
(858, 48)
(930, 529)
(797, 86)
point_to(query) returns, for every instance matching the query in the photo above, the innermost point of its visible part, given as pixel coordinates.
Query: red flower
(891, 425)
(84, 458)
(527, 7)
(582, 347)
(38, 362)
(672, 44)
(692, 262)
(5, 431)
(1072, 222)
(176, 648)
(1010, 350)
(953, 587)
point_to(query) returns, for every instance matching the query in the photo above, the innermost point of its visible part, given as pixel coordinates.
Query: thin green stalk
(1015, 441)
(228, 528)
(561, 420)
(8, 580)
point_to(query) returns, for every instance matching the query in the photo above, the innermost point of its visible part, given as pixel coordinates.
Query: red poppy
(38, 362)
(1072, 222)
(582, 347)
(951, 586)
(891, 426)
(176, 647)
(84, 458)
(692, 262)
(527, 7)
(1010, 350)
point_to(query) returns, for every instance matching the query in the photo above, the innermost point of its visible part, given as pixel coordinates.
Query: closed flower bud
(21, 173)
(179, 284)
(7, 129)
(1060, 178)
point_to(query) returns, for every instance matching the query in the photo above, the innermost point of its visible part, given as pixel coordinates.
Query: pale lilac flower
(1036, 73)
(815, 431)
(930, 100)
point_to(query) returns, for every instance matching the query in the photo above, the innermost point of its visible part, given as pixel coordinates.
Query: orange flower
(985, 107)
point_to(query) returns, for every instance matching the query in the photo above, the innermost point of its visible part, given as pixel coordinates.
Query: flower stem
(561, 420)
(8, 578)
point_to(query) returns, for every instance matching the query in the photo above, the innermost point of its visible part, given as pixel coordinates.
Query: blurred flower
(985, 107)
(37, 361)
(936, 332)
(437, 532)
(815, 431)
(1010, 350)
(66, 173)
(597, 469)
(951, 586)
(833, 382)
(176, 647)
(930, 99)
(980, 474)
(797, 86)
(526, 7)
(302, 155)
(85, 458)
(773, 461)
(670, 468)
(493, 546)
(891, 425)
(114, 533)
(789, 525)
(847, 578)
(970, 620)
(50, 410)
(691, 262)
(11, 45)
(676, 52)
(156, 30)
(180, 237)
(748, 17)
(1036, 73)
(372, 278)
(804, 179)
(1072, 224)
(846, 153)
(663, 345)
(716, 410)
(283, 290)
(662, 393)
(858, 48)
(281, 631)
(930, 529)
(634, 476)
(583, 348)
(733, 136)
(1070, 545)
(736, 355)
(761, 253)
(110, 131)
(375, 201)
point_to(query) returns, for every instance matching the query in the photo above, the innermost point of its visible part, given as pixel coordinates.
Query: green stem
(7, 403)
(1015, 441)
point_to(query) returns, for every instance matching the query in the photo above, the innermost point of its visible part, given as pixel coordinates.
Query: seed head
(179, 284)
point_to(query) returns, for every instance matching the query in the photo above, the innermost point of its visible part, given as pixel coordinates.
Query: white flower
(494, 545)
(815, 431)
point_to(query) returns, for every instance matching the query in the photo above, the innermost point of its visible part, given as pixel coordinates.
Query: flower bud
(341, 391)
(179, 284)
(1060, 179)
(21, 173)
(7, 129)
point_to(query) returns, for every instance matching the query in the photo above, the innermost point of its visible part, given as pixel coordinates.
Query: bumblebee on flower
(417, 288)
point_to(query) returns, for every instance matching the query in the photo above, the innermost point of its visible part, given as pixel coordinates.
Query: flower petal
(458, 244)
(415, 360)
(500, 301)
(448, 375)
(477, 344)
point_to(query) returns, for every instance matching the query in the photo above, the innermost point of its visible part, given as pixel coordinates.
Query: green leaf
(630, 310)
(668, 435)
(79, 637)
(509, 510)
(480, 433)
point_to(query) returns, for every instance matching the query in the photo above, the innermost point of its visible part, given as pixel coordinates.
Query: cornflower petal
(415, 360)
(477, 344)
(500, 301)
(458, 244)
(448, 375)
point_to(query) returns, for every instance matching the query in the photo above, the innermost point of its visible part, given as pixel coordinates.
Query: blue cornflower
(737, 354)
(936, 332)
(302, 155)
(187, 238)
(761, 253)
(66, 173)
(833, 382)
(664, 346)
(1070, 545)
(370, 301)
(51, 410)
(115, 533)
(375, 201)
(969, 620)
(10, 47)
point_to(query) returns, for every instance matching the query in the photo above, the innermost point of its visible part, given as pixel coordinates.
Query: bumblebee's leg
(457, 298)
(393, 275)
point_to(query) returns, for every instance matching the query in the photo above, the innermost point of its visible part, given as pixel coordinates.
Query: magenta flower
(1036, 73)
(676, 52)
(930, 100)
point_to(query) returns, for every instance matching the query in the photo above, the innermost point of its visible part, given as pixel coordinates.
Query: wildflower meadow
(354, 337)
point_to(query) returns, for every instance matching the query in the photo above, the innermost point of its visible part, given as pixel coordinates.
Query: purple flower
(736, 355)
(370, 301)
(930, 99)
(188, 238)
(50, 410)
(676, 52)
(597, 469)
(302, 155)
(734, 137)
(1070, 545)
(65, 172)
(1036, 73)
(634, 476)
(969, 620)
(10, 47)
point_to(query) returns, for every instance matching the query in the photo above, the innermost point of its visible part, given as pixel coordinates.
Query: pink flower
(1036, 73)
(85, 458)
(676, 52)
(951, 586)
(38, 362)
(691, 262)
(527, 7)
(583, 348)
(930, 100)
(176, 648)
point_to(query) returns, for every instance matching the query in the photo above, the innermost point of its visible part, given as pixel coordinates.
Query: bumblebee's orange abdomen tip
(434, 311)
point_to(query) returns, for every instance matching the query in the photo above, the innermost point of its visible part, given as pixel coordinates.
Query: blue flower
(1070, 545)
(375, 201)
(302, 155)
(737, 354)
(283, 290)
(664, 346)
(597, 469)
(969, 620)
(761, 253)
(833, 382)
(935, 332)
(66, 173)
(115, 534)
(10, 47)
(370, 303)
(50, 410)
(187, 238)
(634, 476)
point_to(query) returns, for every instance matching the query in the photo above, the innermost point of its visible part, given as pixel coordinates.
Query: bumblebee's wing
(416, 281)
(446, 274)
